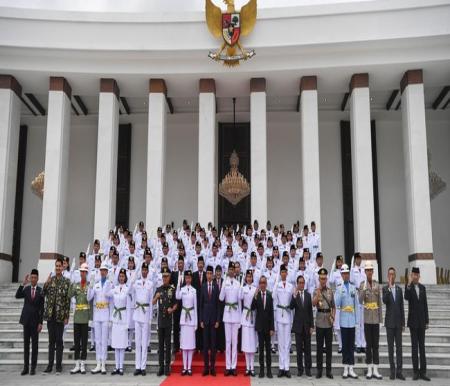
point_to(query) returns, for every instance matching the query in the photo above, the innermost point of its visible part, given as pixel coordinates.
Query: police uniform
(142, 290)
(347, 300)
(249, 340)
(282, 295)
(165, 301)
(229, 294)
(187, 295)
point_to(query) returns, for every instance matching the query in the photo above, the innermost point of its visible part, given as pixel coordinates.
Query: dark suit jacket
(196, 281)
(33, 310)
(303, 317)
(418, 307)
(395, 310)
(209, 310)
(174, 279)
(264, 321)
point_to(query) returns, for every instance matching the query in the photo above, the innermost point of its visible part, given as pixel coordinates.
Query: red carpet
(197, 368)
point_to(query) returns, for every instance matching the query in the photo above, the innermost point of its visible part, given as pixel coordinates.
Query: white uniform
(100, 295)
(281, 301)
(142, 290)
(248, 344)
(357, 276)
(229, 294)
(119, 337)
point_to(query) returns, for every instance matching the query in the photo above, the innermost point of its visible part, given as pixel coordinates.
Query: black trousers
(324, 334)
(418, 345)
(372, 334)
(348, 345)
(30, 333)
(165, 352)
(395, 335)
(303, 345)
(55, 341)
(176, 329)
(220, 337)
(80, 333)
(209, 346)
(264, 344)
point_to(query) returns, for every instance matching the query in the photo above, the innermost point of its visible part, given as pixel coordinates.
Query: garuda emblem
(230, 26)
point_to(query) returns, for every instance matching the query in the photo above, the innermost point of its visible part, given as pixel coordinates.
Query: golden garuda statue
(230, 25)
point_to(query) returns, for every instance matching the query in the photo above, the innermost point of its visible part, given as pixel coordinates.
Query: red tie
(209, 291)
(32, 293)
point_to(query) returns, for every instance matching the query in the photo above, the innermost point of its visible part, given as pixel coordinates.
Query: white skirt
(248, 339)
(187, 337)
(119, 335)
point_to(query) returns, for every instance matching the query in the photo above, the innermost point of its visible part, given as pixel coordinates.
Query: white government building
(342, 117)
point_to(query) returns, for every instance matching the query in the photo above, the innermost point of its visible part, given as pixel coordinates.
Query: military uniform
(166, 300)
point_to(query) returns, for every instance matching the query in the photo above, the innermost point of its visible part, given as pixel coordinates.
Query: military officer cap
(253, 254)
(141, 223)
(283, 268)
(305, 249)
(98, 258)
(164, 259)
(339, 257)
(131, 258)
(230, 265)
(200, 258)
(249, 272)
(218, 268)
(131, 243)
(322, 272)
(319, 254)
(96, 242)
(293, 247)
(144, 265)
(415, 270)
(180, 258)
(148, 251)
(357, 254)
(345, 269)
(34, 271)
(82, 254)
(209, 268)
(275, 248)
(165, 271)
(285, 253)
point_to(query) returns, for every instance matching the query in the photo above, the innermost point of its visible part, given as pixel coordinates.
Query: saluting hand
(26, 280)
(39, 328)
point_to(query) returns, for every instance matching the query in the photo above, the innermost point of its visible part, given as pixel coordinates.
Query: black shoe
(234, 373)
(149, 349)
(48, 370)
(115, 372)
(24, 372)
(247, 373)
(363, 350)
(299, 373)
(280, 373)
(261, 374)
(72, 348)
(205, 373)
(128, 349)
(137, 372)
(92, 348)
(160, 371)
(416, 376)
(269, 374)
(213, 372)
(252, 373)
(273, 350)
(424, 377)
(167, 371)
(319, 375)
(287, 374)
(120, 371)
(339, 351)
(189, 373)
(400, 376)
(392, 376)
(110, 348)
(308, 373)
(143, 373)
(183, 372)
(33, 372)
(330, 376)
(358, 350)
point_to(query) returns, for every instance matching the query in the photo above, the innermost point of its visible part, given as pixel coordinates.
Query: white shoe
(76, 369)
(369, 372)
(103, 368)
(376, 374)
(345, 375)
(351, 373)
(97, 369)
(82, 367)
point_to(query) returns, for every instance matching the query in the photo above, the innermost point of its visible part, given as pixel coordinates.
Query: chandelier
(37, 185)
(234, 186)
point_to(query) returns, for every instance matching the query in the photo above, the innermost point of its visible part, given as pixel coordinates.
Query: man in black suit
(416, 296)
(209, 317)
(198, 278)
(220, 333)
(31, 319)
(394, 322)
(177, 277)
(264, 324)
(303, 325)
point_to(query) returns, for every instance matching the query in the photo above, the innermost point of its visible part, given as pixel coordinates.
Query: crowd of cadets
(208, 291)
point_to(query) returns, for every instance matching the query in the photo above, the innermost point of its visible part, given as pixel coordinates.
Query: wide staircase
(437, 340)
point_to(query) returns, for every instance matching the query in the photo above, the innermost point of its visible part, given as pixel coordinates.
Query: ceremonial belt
(142, 306)
(81, 307)
(348, 309)
(187, 311)
(248, 314)
(231, 306)
(324, 310)
(101, 305)
(371, 306)
(283, 308)
(118, 311)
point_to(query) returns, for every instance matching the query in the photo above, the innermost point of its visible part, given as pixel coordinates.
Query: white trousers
(231, 340)
(284, 345)
(101, 340)
(187, 359)
(142, 333)
(250, 360)
(120, 356)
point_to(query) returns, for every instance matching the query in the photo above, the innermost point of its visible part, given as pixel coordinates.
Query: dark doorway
(234, 137)
(123, 176)
(347, 191)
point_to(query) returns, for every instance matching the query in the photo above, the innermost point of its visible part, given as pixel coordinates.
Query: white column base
(5, 271)
(427, 270)
(45, 267)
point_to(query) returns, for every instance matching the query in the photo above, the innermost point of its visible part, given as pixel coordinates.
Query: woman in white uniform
(188, 321)
(248, 344)
(119, 338)
(131, 278)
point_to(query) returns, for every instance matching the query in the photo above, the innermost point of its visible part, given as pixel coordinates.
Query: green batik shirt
(81, 315)
(57, 301)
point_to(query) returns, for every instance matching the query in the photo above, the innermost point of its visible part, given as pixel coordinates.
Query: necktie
(264, 300)
(301, 296)
(33, 293)
(209, 291)
(201, 275)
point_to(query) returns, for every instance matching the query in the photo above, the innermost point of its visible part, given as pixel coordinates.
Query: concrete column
(156, 154)
(107, 144)
(207, 149)
(258, 150)
(10, 92)
(56, 173)
(309, 128)
(416, 176)
(362, 176)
